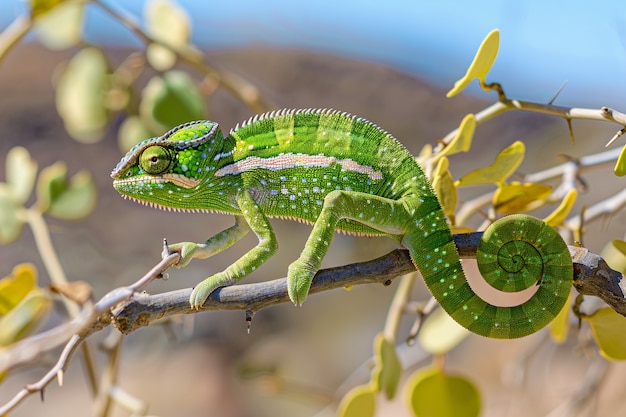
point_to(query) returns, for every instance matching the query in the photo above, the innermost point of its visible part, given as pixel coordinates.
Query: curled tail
(515, 252)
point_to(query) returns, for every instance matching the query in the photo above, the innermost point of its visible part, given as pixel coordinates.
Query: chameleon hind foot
(299, 278)
(203, 290)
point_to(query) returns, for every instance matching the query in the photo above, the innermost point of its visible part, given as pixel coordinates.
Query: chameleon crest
(338, 172)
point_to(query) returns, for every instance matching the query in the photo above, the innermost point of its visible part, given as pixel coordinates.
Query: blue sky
(543, 43)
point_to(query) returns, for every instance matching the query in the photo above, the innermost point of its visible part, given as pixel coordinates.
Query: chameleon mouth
(167, 208)
(176, 179)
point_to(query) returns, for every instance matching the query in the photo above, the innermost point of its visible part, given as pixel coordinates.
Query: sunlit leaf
(40, 7)
(21, 173)
(25, 317)
(15, 287)
(167, 23)
(557, 217)
(440, 333)
(63, 199)
(431, 393)
(482, 63)
(360, 401)
(11, 223)
(559, 327)
(620, 165)
(614, 253)
(387, 372)
(81, 95)
(517, 197)
(171, 100)
(608, 329)
(61, 27)
(131, 132)
(444, 187)
(506, 163)
(463, 139)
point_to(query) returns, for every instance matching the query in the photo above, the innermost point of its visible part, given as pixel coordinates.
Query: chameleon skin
(338, 172)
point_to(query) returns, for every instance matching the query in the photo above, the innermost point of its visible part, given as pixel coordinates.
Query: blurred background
(390, 62)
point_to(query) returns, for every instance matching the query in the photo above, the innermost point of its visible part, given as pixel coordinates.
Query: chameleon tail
(532, 248)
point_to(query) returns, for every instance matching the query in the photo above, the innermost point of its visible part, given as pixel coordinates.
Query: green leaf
(440, 333)
(62, 199)
(360, 401)
(171, 100)
(517, 197)
(21, 173)
(387, 372)
(131, 132)
(59, 25)
(11, 223)
(81, 95)
(482, 63)
(608, 328)
(620, 165)
(431, 393)
(506, 163)
(167, 23)
(15, 287)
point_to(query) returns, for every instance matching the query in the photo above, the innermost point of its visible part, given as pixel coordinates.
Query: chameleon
(339, 172)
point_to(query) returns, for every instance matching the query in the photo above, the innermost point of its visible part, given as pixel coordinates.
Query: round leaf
(25, 317)
(482, 63)
(62, 199)
(171, 100)
(59, 25)
(608, 329)
(131, 132)
(444, 187)
(11, 223)
(81, 95)
(440, 333)
(21, 173)
(431, 393)
(360, 401)
(386, 374)
(167, 23)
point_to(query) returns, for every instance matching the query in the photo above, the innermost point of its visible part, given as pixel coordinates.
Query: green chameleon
(339, 172)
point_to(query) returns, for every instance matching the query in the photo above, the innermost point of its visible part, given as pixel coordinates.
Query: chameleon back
(292, 159)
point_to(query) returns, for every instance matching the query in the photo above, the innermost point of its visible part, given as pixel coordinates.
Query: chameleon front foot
(299, 280)
(203, 290)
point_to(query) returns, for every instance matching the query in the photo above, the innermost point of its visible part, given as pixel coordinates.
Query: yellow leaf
(614, 253)
(608, 329)
(560, 325)
(517, 197)
(25, 317)
(443, 184)
(557, 217)
(482, 63)
(440, 333)
(15, 287)
(505, 164)
(620, 165)
(463, 139)
(360, 401)
(430, 392)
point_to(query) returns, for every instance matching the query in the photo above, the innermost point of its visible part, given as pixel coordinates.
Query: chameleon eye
(155, 160)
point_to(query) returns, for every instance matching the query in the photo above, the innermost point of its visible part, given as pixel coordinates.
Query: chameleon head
(165, 171)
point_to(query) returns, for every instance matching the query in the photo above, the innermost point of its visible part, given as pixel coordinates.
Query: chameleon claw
(299, 280)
